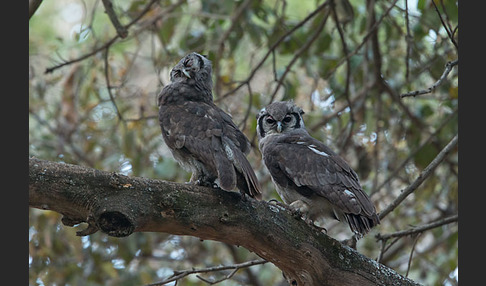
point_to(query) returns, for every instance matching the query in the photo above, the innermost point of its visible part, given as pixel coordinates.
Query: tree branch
(33, 6)
(181, 274)
(448, 69)
(112, 40)
(421, 178)
(419, 229)
(120, 29)
(119, 205)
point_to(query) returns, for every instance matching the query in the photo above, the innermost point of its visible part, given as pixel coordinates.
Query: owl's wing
(234, 134)
(209, 135)
(314, 168)
(197, 128)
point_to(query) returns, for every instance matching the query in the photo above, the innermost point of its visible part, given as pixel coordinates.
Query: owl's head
(194, 68)
(279, 117)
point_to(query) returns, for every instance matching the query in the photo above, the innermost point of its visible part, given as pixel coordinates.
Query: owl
(309, 176)
(203, 138)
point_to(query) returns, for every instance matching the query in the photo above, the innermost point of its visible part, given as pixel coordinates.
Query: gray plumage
(308, 175)
(201, 136)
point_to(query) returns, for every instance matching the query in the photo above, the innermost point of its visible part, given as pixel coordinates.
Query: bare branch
(181, 274)
(111, 41)
(421, 178)
(273, 47)
(108, 86)
(450, 34)
(219, 54)
(419, 229)
(33, 6)
(448, 69)
(299, 52)
(363, 42)
(120, 29)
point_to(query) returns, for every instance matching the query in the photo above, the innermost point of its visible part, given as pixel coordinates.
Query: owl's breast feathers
(301, 163)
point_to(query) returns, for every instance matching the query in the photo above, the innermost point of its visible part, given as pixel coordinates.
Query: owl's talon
(296, 213)
(280, 204)
(320, 229)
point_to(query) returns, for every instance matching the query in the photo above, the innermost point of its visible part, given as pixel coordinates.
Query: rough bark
(119, 205)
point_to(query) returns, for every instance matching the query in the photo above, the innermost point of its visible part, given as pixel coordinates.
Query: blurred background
(92, 102)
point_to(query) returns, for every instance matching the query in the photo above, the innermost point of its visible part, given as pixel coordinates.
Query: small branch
(33, 6)
(181, 274)
(421, 178)
(363, 42)
(348, 74)
(299, 52)
(108, 86)
(448, 30)
(408, 39)
(219, 54)
(273, 47)
(419, 229)
(120, 29)
(413, 153)
(411, 254)
(107, 44)
(448, 69)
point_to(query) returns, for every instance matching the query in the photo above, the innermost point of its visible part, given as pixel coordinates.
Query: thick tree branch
(119, 205)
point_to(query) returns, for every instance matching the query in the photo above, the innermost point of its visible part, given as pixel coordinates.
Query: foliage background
(101, 112)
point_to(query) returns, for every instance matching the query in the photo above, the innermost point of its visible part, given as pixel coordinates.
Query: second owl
(309, 176)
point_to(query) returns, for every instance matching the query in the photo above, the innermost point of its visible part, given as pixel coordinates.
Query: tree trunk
(119, 205)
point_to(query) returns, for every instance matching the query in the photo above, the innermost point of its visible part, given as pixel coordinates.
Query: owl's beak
(279, 126)
(186, 73)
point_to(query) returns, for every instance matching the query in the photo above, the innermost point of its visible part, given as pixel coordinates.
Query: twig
(298, 53)
(421, 178)
(408, 39)
(120, 29)
(247, 115)
(219, 54)
(448, 30)
(419, 229)
(363, 42)
(348, 73)
(412, 154)
(448, 69)
(108, 86)
(273, 47)
(411, 254)
(33, 6)
(107, 44)
(181, 274)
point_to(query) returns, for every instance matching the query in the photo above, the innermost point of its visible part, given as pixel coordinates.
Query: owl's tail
(246, 180)
(249, 183)
(361, 224)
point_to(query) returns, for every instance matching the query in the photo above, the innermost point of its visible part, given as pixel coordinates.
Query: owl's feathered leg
(201, 179)
(301, 210)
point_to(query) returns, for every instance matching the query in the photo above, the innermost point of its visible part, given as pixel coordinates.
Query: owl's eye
(188, 63)
(270, 120)
(287, 119)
